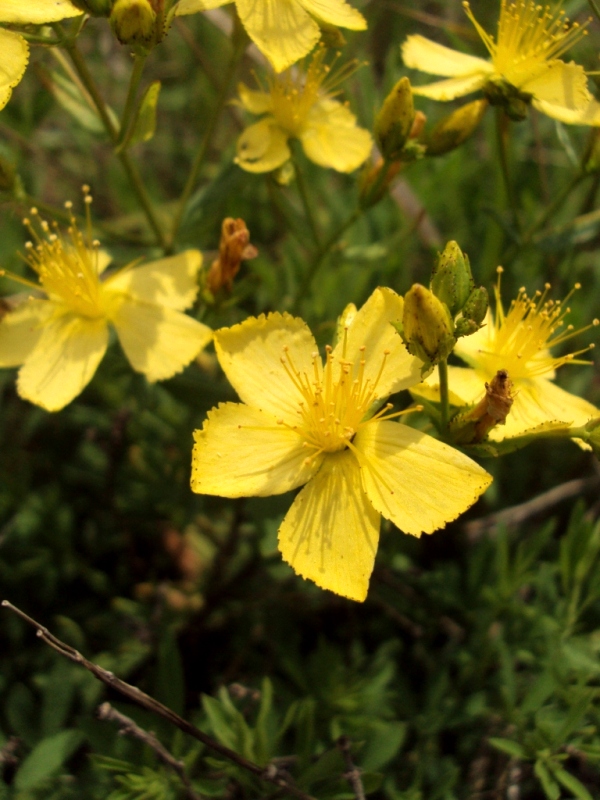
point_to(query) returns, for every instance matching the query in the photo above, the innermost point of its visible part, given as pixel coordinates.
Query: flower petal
(63, 360)
(331, 137)
(435, 59)
(465, 386)
(262, 147)
(281, 29)
(560, 84)
(194, 6)
(158, 341)
(452, 87)
(243, 452)
(335, 12)
(20, 330)
(253, 101)
(590, 115)
(15, 57)
(416, 481)
(36, 11)
(331, 532)
(371, 328)
(169, 282)
(250, 354)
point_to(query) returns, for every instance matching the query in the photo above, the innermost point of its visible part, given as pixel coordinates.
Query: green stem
(594, 8)
(321, 255)
(502, 123)
(139, 63)
(444, 395)
(303, 192)
(113, 133)
(239, 46)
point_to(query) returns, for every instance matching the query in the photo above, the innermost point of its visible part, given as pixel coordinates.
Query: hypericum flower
(284, 30)
(301, 105)
(519, 342)
(302, 421)
(59, 340)
(525, 57)
(14, 49)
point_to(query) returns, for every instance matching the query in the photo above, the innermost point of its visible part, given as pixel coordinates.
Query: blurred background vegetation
(472, 670)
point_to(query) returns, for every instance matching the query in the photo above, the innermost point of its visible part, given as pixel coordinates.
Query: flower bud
(452, 282)
(134, 22)
(427, 329)
(394, 121)
(97, 8)
(455, 129)
(473, 312)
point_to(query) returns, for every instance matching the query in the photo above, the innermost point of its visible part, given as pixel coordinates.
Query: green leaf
(75, 103)
(549, 785)
(145, 120)
(571, 783)
(329, 765)
(509, 747)
(47, 758)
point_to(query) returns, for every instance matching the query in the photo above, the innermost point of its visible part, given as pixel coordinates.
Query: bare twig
(352, 773)
(515, 515)
(270, 773)
(127, 727)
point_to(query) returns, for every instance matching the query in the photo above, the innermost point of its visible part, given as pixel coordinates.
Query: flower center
(66, 265)
(529, 37)
(520, 340)
(335, 399)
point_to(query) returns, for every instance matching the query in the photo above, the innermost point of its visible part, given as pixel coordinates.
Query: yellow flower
(524, 57)
(13, 47)
(300, 105)
(305, 422)
(519, 342)
(61, 338)
(284, 30)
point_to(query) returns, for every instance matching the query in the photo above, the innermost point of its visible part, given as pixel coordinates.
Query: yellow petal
(13, 61)
(36, 11)
(103, 259)
(193, 6)
(158, 341)
(336, 12)
(20, 330)
(435, 59)
(254, 102)
(371, 328)
(169, 282)
(63, 360)
(331, 532)
(560, 84)
(590, 115)
(281, 29)
(465, 386)
(250, 354)
(262, 147)
(451, 88)
(243, 452)
(331, 137)
(469, 347)
(416, 481)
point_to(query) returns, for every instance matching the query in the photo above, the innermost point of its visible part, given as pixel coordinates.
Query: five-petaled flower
(13, 47)
(519, 342)
(302, 421)
(284, 30)
(301, 105)
(61, 338)
(525, 57)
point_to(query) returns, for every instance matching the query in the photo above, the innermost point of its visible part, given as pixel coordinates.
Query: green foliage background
(472, 670)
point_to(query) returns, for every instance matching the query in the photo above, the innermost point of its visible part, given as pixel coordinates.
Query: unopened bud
(427, 329)
(452, 282)
(234, 248)
(394, 121)
(97, 8)
(134, 22)
(456, 128)
(7, 175)
(473, 312)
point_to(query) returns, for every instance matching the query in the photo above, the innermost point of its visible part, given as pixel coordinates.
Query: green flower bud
(134, 22)
(427, 328)
(456, 128)
(473, 312)
(97, 8)
(394, 120)
(451, 281)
